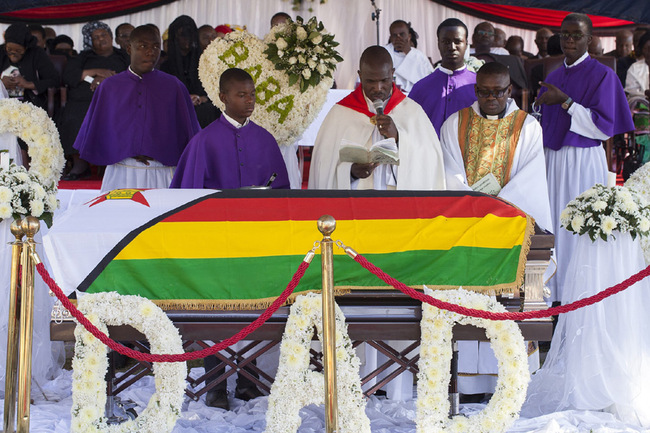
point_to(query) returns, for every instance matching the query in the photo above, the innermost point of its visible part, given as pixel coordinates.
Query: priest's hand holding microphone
(387, 129)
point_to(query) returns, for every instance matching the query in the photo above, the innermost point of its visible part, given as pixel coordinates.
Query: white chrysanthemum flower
(644, 224)
(306, 73)
(21, 176)
(5, 210)
(5, 194)
(37, 207)
(301, 59)
(52, 202)
(608, 225)
(629, 205)
(599, 205)
(292, 60)
(577, 223)
(146, 309)
(301, 33)
(311, 64)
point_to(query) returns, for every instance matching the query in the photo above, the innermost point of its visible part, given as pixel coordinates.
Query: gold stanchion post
(12, 331)
(326, 225)
(30, 226)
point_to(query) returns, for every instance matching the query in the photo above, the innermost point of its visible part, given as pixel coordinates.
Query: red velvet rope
(181, 357)
(538, 314)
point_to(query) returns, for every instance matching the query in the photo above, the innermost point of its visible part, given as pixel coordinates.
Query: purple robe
(224, 157)
(441, 95)
(594, 86)
(131, 116)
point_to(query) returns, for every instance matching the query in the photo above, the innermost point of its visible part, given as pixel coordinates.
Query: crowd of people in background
(32, 55)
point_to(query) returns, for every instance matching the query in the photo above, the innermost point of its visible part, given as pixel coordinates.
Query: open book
(382, 152)
(488, 184)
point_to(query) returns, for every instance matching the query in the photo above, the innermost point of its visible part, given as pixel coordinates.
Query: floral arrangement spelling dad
(292, 68)
(33, 192)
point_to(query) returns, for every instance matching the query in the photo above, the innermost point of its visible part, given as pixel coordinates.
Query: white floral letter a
(297, 386)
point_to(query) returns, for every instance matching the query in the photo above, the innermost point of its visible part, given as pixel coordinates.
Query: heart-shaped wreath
(292, 69)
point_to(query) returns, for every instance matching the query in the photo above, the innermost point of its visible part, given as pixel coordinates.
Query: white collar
(131, 71)
(233, 122)
(577, 62)
(371, 107)
(449, 71)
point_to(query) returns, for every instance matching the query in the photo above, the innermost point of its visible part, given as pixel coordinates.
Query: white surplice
(527, 187)
(636, 82)
(421, 161)
(409, 68)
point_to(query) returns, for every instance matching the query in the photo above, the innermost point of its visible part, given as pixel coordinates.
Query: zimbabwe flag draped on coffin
(239, 249)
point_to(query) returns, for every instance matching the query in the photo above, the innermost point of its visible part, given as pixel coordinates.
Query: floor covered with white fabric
(53, 415)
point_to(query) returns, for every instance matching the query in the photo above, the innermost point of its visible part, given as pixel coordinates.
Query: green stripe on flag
(266, 277)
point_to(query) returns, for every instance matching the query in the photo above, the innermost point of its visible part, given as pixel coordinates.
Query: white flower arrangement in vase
(601, 210)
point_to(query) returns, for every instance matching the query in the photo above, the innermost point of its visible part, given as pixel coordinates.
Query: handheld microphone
(379, 106)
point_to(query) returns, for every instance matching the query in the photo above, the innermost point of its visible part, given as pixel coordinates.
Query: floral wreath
(639, 182)
(296, 386)
(281, 108)
(32, 192)
(600, 210)
(90, 365)
(435, 354)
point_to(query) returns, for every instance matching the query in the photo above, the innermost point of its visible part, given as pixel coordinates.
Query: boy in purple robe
(450, 87)
(139, 121)
(583, 104)
(232, 152)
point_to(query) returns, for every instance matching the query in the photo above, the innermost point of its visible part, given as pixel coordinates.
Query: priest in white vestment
(493, 139)
(411, 65)
(354, 120)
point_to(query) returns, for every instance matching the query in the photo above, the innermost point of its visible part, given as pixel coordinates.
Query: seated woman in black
(27, 71)
(183, 63)
(82, 75)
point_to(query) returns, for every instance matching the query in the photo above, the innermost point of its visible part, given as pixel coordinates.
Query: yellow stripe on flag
(231, 239)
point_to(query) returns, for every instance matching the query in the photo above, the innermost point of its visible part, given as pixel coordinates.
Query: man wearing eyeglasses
(583, 104)
(496, 148)
(483, 40)
(494, 140)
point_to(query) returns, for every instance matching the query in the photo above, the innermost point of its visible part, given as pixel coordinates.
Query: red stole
(357, 102)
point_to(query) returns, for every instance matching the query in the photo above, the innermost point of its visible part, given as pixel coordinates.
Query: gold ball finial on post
(30, 226)
(326, 225)
(16, 229)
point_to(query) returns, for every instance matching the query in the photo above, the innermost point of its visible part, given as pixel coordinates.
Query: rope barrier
(482, 314)
(181, 357)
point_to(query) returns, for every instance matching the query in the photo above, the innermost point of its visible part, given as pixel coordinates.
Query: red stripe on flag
(356, 208)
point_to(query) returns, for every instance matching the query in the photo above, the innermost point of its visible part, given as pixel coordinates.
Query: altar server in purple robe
(583, 104)
(450, 87)
(139, 121)
(232, 152)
